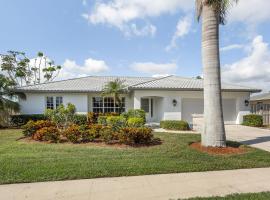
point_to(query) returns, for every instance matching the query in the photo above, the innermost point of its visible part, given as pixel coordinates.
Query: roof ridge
(154, 79)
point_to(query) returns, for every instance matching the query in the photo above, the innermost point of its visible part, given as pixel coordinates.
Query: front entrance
(147, 104)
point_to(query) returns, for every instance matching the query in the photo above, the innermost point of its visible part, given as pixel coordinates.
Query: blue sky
(137, 37)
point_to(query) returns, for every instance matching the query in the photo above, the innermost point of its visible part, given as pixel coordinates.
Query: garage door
(195, 106)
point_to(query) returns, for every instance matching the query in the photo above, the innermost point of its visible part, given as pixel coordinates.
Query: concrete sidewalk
(151, 187)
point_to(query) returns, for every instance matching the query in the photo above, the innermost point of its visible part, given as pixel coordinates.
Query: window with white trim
(107, 105)
(58, 101)
(49, 103)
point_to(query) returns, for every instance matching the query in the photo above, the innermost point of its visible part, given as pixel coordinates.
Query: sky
(137, 37)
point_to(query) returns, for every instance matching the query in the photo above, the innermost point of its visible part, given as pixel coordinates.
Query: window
(49, 103)
(107, 104)
(58, 101)
(145, 105)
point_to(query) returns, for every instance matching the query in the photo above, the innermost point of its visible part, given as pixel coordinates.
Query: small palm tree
(7, 105)
(115, 89)
(213, 13)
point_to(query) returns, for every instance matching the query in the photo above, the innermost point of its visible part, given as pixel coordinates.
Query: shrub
(20, 120)
(135, 122)
(107, 134)
(80, 119)
(92, 133)
(92, 117)
(116, 122)
(142, 135)
(134, 113)
(73, 133)
(31, 127)
(174, 125)
(102, 120)
(253, 120)
(47, 134)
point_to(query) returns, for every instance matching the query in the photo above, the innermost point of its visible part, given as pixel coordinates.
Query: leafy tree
(213, 13)
(22, 71)
(115, 89)
(8, 105)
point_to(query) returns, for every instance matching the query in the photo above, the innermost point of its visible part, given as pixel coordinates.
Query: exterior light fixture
(246, 102)
(174, 102)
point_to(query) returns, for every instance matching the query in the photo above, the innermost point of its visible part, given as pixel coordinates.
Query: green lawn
(22, 161)
(255, 196)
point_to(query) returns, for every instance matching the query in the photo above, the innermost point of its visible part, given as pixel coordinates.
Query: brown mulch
(229, 150)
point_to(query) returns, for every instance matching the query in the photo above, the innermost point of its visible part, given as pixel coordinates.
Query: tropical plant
(115, 89)
(8, 104)
(22, 71)
(213, 13)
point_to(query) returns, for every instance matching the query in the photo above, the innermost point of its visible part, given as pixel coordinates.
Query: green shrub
(73, 133)
(20, 120)
(174, 125)
(92, 133)
(47, 134)
(139, 113)
(135, 122)
(116, 122)
(131, 136)
(80, 119)
(107, 134)
(102, 120)
(92, 117)
(253, 120)
(31, 127)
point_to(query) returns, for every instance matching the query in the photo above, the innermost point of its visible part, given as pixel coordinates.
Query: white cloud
(251, 11)
(154, 68)
(252, 70)
(120, 13)
(70, 69)
(232, 47)
(183, 28)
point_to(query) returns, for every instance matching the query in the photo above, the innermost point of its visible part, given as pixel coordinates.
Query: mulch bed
(229, 150)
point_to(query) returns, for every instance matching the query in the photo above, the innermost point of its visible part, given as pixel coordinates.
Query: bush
(116, 122)
(20, 120)
(31, 127)
(135, 122)
(139, 113)
(73, 133)
(80, 119)
(92, 133)
(253, 120)
(107, 134)
(47, 134)
(174, 125)
(102, 120)
(133, 136)
(92, 117)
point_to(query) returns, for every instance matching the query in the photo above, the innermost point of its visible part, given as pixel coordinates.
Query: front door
(147, 104)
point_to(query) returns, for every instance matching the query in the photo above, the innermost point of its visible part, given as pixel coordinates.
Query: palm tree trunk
(214, 132)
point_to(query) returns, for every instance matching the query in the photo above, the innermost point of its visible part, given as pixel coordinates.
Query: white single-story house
(163, 98)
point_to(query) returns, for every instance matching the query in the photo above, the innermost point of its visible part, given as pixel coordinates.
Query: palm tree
(115, 89)
(213, 13)
(7, 105)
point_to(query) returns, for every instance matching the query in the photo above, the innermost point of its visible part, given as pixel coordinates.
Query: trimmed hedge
(20, 120)
(174, 125)
(253, 120)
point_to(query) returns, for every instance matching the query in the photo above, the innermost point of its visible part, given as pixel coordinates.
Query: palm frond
(198, 6)
(6, 104)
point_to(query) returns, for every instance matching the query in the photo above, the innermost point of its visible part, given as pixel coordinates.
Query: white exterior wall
(35, 103)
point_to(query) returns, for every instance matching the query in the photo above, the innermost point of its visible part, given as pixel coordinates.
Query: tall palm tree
(115, 89)
(213, 13)
(7, 104)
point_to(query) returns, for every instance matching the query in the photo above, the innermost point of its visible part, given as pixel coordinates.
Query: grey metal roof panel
(265, 96)
(96, 84)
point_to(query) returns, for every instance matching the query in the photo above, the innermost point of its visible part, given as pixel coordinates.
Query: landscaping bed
(22, 161)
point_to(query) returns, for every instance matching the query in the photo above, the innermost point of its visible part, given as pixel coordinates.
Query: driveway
(255, 137)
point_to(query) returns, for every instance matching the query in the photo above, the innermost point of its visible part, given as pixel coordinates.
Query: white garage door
(195, 106)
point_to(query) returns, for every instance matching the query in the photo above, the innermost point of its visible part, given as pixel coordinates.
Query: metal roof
(265, 96)
(96, 84)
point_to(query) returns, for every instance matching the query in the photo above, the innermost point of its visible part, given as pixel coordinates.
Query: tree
(22, 71)
(7, 103)
(213, 14)
(115, 89)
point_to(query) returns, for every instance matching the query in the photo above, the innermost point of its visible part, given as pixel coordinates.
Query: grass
(253, 196)
(22, 161)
